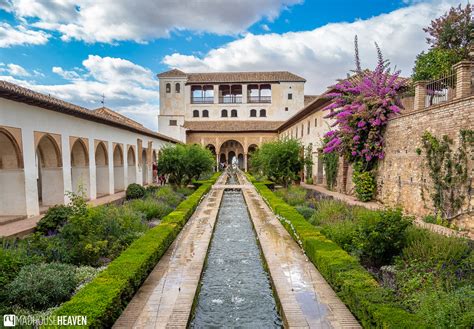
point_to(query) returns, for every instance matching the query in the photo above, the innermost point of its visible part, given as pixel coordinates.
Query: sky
(79, 50)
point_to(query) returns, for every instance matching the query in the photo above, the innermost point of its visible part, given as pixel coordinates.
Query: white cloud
(265, 27)
(128, 88)
(325, 53)
(20, 35)
(17, 70)
(142, 20)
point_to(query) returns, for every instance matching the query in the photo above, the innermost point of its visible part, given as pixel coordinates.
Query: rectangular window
(309, 125)
(316, 122)
(286, 109)
(290, 96)
(173, 122)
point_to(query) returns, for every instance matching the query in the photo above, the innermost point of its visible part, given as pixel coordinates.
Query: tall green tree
(450, 37)
(281, 160)
(183, 163)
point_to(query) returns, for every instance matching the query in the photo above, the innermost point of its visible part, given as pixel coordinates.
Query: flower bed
(103, 300)
(370, 303)
(426, 275)
(75, 243)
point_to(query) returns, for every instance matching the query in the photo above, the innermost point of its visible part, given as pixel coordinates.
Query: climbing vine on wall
(309, 163)
(448, 170)
(330, 164)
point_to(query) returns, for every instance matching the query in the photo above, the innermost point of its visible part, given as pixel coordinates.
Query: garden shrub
(380, 238)
(43, 285)
(85, 274)
(294, 195)
(135, 191)
(374, 306)
(342, 233)
(103, 299)
(151, 208)
(305, 211)
(184, 191)
(365, 185)
(54, 218)
(167, 195)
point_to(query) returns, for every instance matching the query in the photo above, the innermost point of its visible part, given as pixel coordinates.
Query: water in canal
(235, 288)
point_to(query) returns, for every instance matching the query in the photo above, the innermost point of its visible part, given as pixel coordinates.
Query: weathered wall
(401, 174)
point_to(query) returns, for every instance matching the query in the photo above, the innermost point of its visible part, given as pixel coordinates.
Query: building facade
(49, 147)
(231, 113)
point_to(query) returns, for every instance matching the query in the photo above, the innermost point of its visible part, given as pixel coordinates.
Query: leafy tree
(433, 63)
(449, 36)
(184, 162)
(453, 30)
(330, 163)
(281, 161)
(308, 157)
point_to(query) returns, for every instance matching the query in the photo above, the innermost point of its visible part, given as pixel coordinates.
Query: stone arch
(50, 174)
(12, 176)
(132, 165)
(10, 152)
(101, 169)
(119, 179)
(231, 148)
(80, 168)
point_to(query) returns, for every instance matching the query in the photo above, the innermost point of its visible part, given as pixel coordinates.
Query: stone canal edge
(165, 299)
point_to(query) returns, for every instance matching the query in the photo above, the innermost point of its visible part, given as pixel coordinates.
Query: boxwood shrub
(105, 297)
(373, 306)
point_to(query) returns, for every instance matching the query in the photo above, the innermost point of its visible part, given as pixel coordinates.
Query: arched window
(177, 87)
(233, 113)
(205, 114)
(263, 113)
(195, 114)
(224, 113)
(168, 88)
(253, 113)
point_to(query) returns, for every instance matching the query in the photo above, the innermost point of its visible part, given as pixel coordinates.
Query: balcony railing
(259, 99)
(441, 90)
(230, 99)
(202, 100)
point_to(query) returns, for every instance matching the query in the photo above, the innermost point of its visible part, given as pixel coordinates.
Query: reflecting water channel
(235, 287)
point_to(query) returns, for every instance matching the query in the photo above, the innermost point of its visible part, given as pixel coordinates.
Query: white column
(31, 173)
(138, 169)
(245, 162)
(216, 94)
(92, 171)
(125, 166)
(244, 94)
(110, 156)
(66, 157)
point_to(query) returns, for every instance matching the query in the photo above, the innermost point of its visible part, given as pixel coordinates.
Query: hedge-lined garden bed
(103, 299)
(374, 306)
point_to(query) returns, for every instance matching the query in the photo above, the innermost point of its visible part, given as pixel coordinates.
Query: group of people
(158, 179)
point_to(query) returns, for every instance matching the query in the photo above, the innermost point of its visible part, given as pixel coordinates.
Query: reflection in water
(235, 289)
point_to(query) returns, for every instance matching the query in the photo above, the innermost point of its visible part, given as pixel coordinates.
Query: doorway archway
(50, 173)
(102, 170)
(80, 169)
(132, 170)
(119, 184)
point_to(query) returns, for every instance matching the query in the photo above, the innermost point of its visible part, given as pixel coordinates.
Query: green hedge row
(373, 306)
(105, 297)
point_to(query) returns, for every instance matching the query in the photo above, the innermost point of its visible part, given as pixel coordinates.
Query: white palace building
(49, 147)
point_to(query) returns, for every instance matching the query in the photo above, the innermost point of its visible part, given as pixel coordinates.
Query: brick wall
(401, 174)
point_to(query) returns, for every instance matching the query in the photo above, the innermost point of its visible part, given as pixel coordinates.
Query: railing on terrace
(230, 99)
(441, 90)
(259, 99)
(202, 100)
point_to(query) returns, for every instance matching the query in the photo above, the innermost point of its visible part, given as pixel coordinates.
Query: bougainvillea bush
(362, 105)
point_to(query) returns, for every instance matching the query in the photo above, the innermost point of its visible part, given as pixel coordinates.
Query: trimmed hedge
(373, 306)
(105, 297)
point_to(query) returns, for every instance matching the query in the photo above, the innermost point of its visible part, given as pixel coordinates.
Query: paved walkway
(306, 298)
(349, 199)
(166, 297)
(23, 226)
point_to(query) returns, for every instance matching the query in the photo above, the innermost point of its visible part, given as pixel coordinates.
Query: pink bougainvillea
(361, 107)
